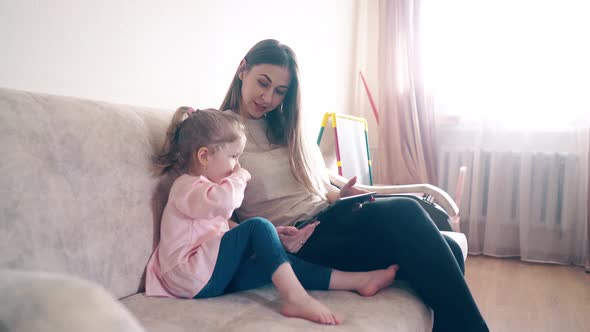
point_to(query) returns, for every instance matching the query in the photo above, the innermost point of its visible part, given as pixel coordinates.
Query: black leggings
(399, 231)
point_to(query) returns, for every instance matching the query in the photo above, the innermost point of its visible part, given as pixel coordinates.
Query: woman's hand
(349, 190)
(293, 239)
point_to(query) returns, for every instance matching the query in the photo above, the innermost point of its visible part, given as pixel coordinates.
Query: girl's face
(264, 87)
(220, 164)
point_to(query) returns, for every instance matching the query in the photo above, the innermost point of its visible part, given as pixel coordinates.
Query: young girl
(199, 256)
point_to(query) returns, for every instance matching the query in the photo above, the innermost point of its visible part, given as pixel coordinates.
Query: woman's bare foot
(309, 308)
(377, 280)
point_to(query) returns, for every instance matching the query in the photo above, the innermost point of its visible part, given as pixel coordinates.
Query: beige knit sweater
(273, 192)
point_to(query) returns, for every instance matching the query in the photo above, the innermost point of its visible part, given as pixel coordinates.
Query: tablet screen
(342, 205)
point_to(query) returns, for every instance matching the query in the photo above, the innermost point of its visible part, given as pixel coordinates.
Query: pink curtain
(406, 150)
(588, 215)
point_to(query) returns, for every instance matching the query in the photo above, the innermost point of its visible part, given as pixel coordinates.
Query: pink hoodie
(194, 220)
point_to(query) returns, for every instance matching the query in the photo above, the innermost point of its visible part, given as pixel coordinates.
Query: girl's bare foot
(309, 308)
(377, 280)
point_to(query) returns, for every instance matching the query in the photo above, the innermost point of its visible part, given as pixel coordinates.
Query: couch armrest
(440, 196)
(41, 301)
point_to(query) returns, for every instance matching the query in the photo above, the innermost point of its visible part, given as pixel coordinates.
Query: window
(517, 63)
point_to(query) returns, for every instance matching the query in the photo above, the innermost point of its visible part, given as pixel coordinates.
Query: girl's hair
(283, 123)
(191, 130)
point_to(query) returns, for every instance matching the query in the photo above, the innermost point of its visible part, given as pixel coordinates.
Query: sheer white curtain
(387, 51)
(514, 77)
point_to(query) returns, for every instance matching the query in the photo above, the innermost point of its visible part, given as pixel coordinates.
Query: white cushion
(41, 301)
(460, 239)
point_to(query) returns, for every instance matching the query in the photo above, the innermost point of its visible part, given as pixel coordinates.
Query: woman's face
(264, 87)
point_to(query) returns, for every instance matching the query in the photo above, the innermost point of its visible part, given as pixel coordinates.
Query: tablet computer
(343, 205)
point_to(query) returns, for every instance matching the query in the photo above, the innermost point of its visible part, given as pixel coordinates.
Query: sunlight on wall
(517, 63)
(170, 53)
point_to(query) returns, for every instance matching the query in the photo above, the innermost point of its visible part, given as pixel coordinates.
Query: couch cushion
(76, 187)
(38, 301)
(461, 241)
(393, 309)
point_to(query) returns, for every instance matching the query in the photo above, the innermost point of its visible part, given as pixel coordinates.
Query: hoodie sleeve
(197, 197)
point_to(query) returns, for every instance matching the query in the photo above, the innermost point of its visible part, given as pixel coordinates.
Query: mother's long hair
(284, 123)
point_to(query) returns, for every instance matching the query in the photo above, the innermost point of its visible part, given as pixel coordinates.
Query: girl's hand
(243, 172)
(293, 239)
(349, 190)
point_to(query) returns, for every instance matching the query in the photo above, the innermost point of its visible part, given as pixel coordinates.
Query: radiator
(512, 198)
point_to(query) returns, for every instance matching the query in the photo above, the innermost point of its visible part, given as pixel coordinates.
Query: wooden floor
(518, 296)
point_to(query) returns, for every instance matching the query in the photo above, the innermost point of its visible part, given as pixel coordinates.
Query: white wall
(170, 53)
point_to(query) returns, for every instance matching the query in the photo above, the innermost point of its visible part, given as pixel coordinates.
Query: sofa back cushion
(77, 187)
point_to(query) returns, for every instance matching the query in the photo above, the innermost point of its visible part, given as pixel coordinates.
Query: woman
(290, 183)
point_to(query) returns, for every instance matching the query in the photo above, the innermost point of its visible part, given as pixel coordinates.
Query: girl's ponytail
(190, 130)
(170, 157)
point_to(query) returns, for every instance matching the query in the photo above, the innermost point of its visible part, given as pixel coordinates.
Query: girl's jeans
(250, 253)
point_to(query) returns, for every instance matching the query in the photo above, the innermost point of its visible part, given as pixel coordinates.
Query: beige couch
(78, 225)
